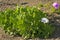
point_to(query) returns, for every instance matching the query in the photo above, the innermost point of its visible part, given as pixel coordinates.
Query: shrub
(25, 21)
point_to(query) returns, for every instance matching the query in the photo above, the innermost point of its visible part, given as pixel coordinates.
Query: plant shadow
(55, 21)
(24, 3)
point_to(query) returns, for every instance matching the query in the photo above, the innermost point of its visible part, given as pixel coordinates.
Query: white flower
(44, 20)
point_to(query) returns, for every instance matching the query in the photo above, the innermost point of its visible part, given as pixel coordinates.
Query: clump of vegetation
(26, 21)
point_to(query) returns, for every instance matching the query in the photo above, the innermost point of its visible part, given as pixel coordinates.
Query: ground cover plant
(28, 22)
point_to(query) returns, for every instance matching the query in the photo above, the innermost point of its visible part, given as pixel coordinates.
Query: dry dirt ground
(12, 4)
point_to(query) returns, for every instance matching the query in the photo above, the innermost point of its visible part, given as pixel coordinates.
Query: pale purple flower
(44, 20)
(56, 5)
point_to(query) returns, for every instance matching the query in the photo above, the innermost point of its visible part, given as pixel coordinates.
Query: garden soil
(55, 18)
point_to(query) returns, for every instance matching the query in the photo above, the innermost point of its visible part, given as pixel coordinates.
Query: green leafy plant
(25, 21)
